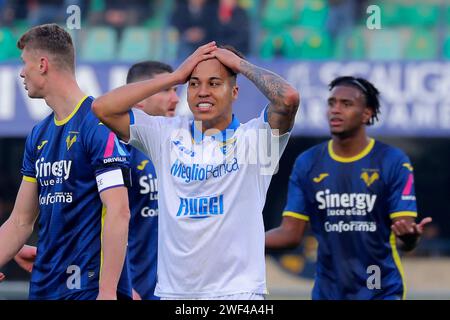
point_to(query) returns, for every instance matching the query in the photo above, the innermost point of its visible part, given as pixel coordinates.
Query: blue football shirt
(143, 233)
(350, 204)
(64, 158)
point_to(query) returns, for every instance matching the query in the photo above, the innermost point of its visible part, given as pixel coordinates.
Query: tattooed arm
(284, 99)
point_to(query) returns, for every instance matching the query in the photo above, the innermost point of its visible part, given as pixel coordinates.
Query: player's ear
(43, 65)
(234, 92)
(367, 115)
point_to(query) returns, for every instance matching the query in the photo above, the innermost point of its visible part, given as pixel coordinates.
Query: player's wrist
(240, 65)
(106, 296)
(107, 292)
(409, 241)
(177, 78)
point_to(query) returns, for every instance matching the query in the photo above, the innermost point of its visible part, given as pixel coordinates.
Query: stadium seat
(317, 46)
(97, 5)
(161, 11)
(170, 52)
(278, 13)
(410, 13)
(391, 13)
(447, 14)
(446, 46)
(271, 43)
(293, 41)
(422, 45)
(309, 43)
(384, 44)
(251, 6)
(100, 44)
(313, 13)
(8, 45)
(351, 46)
(419, 13)
(297, 43)
(135, 44)
(278, 44)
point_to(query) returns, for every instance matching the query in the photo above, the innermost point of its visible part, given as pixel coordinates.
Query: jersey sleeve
(28, 167)
(270, 146)
(276, 140)
(107, 155)
(402, 198)
(146, 133)
(296, 199)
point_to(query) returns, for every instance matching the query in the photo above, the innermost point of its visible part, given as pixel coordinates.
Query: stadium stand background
(279, 31)
(293, 29)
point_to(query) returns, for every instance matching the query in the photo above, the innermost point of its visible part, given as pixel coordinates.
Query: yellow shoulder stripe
(403, 214)
(30, 179)
(295, 215)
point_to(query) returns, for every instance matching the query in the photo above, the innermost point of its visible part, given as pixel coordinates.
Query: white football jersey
(212, 190)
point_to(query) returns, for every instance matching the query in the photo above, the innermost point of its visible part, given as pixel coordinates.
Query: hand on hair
(184, 71)
(228, 58)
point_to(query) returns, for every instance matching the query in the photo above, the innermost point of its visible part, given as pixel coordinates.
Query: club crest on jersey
(320, 177)
(370, 178)
(227, 146)
(71, 139)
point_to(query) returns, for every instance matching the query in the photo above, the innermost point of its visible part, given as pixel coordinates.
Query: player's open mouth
(336, 122)
(204, 106)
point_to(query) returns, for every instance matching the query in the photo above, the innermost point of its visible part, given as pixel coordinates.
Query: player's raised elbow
(98, 108)
(292, 99)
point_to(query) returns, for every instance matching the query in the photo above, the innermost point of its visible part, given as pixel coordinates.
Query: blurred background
(308, 42)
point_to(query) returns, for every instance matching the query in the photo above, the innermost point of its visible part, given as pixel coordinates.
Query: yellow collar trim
(361, 155)
(64, 121)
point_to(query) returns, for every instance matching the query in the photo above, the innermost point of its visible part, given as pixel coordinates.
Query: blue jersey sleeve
(105, 151)
(402, 198)
(28, 167)
(296, 200)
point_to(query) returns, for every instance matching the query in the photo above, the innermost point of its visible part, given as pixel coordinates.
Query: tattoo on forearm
(271, 85)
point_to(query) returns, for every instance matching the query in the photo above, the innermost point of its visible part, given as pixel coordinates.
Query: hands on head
(206, 52)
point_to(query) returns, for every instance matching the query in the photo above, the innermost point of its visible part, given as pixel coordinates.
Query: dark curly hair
(367, 88)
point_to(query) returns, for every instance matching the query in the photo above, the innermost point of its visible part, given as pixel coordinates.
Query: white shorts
(238, 296)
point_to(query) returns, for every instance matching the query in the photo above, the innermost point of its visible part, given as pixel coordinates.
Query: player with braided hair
(358, 196)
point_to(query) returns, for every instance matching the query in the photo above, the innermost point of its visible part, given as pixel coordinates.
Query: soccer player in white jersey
(212, 186)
